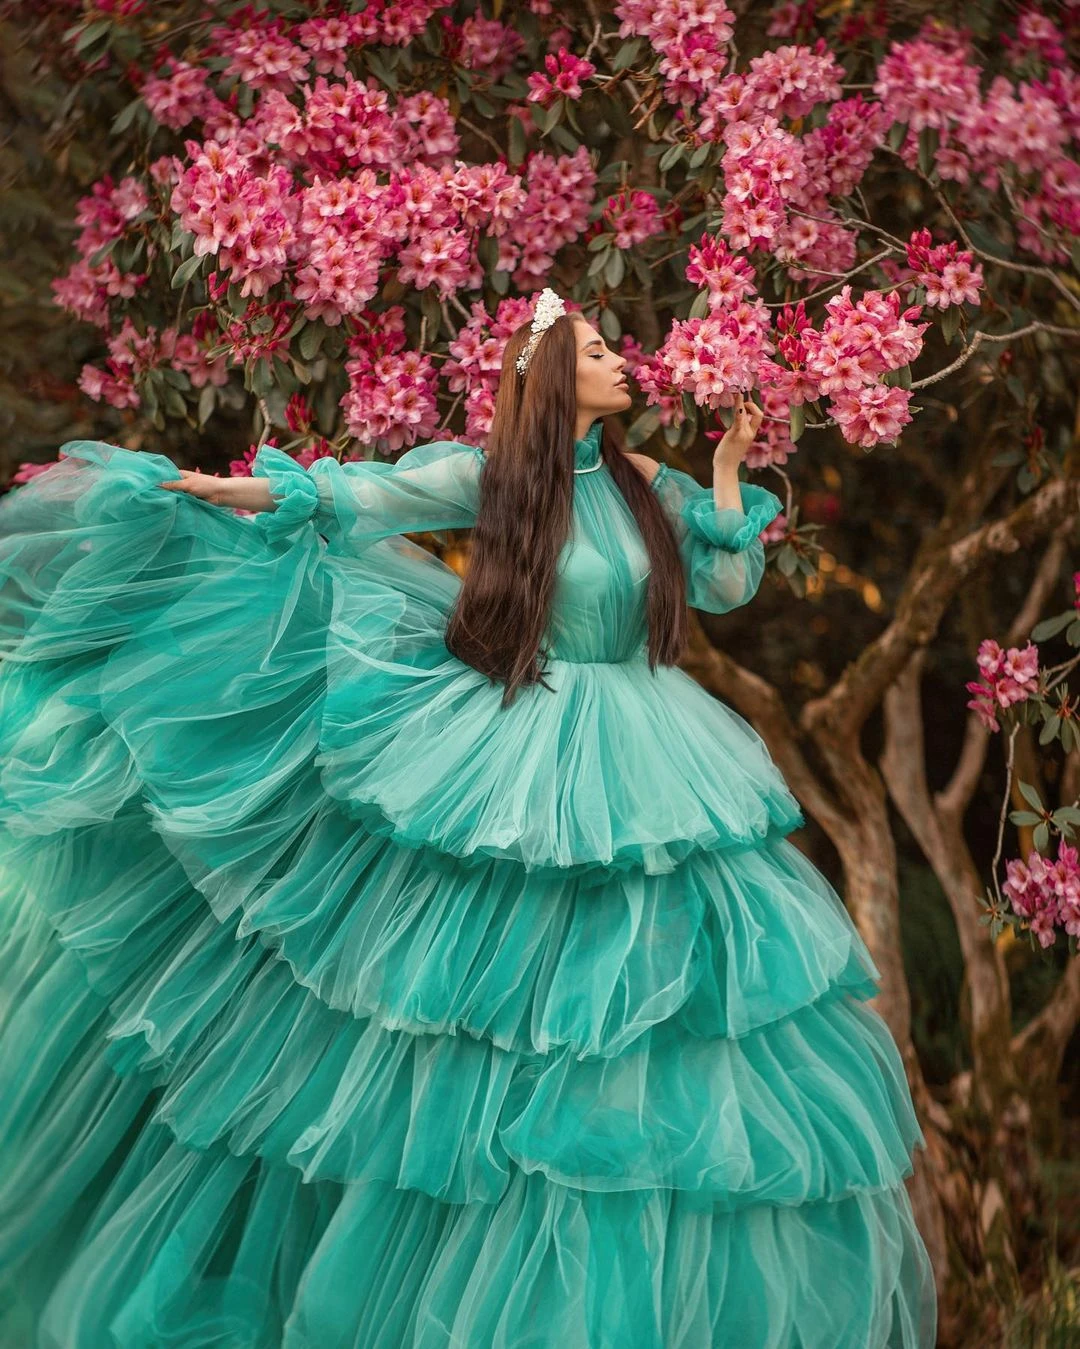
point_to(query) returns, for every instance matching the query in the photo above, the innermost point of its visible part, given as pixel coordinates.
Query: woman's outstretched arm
(433, 486)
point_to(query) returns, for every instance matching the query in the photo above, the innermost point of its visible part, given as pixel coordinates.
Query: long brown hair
(525, 514)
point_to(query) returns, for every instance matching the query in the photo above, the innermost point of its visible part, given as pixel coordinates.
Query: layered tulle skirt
(341, 1007)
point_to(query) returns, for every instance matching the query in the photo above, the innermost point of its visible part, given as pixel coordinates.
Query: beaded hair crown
(549, 307)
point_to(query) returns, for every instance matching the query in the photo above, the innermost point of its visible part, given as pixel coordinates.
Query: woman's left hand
(739, 436)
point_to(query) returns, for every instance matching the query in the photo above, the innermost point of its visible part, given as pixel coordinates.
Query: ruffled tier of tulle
(288, 654)
(242, 1166)
(807, 1105)
(274, 1075)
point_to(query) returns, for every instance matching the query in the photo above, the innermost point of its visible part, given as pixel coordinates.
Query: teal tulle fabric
(341, 1008)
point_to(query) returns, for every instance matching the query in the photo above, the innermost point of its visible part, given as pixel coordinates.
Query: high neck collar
(587, 450)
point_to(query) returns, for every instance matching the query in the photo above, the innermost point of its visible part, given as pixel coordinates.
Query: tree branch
(844, 709)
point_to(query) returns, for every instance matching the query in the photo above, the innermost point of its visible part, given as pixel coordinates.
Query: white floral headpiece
(549, 307)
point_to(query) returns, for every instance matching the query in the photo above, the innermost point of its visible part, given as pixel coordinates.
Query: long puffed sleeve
(723, 558)
(434, 486)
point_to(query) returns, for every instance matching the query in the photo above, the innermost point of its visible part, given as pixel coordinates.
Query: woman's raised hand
(739, 436)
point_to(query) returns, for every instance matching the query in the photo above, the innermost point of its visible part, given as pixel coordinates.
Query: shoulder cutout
(647, 467)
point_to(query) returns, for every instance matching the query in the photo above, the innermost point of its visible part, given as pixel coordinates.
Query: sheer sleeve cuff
(290, 485)
(731, 529)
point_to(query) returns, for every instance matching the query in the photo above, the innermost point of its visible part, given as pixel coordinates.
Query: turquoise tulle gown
(341, 1008)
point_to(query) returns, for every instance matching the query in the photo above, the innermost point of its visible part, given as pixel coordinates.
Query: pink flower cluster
(859, 342)
(244, 217)
(711, 265)
(268, 53)
(712, 358)
(777, 184)
(1007, 677)
(391, 397)
(927, 83)
(561, 78)
(633, 216)
(130, 353)
(787, 81)
(481, 44)
(1022, 132)
(559, 196)
(475, 360)
(181, 96)
(88, 287)
(27, 471)
(336, 234)
(1037, 35)
(691, 40)
(950, 276)
(1045, 893)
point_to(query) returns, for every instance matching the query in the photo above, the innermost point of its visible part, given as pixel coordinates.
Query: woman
(391, 960)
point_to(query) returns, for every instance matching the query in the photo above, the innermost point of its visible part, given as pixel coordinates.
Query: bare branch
(980, 337)
(844, 709)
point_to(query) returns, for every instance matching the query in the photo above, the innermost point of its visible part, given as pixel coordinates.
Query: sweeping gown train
(341, 1008)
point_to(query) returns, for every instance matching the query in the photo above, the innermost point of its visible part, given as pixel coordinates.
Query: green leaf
(897, 133)
(500, 282)
(643, 427)
(516, 141)
(797, 422)
(487, 252)
(552, 117)
(1050, 730)
(928, 147)
(91, 34)
(787, 560)
(262, 381)
(701, 154)
(950, 322)
(598, 263)
(126, 116)
(1030, 795)
(1023, 817)
(671, 156)
(1050, 627)
(1015, 386)
(311, 339)
(207, 403)
(1041, 836)
(566, 139)
(627, 54)
(615, 269)
(601, 241)
(1072, 633)
(185, 272)
(610, 325)
(700, 307)
(1076, 256)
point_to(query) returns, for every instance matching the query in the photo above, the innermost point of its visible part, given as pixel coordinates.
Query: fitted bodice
(598, 609)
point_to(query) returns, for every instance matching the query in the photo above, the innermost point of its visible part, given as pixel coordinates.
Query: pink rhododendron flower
(27, 471)
(1045, 894)
(632, 216)
(1008, 677)
(950, 276)
(563, 78)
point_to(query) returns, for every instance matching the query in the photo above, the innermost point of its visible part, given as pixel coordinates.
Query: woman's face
(602, 388)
